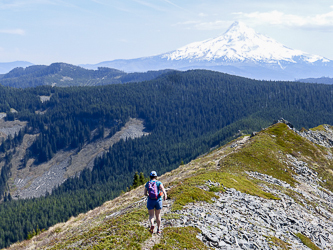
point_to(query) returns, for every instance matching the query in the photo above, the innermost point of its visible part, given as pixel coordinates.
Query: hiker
(155, 191)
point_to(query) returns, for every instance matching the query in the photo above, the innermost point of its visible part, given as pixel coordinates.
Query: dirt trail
(183, 172)
(156, 238)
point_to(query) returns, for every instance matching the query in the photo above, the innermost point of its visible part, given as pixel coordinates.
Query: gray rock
(243, 220)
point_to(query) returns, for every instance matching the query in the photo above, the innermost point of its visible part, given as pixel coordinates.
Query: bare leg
(158, 218)
(151, 217)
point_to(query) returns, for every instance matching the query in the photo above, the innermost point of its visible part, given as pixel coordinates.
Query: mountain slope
(271, 190)
(239, 51)
(65, 75)
(34, 181)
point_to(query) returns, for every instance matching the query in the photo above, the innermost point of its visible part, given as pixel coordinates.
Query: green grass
(170, 216)
(184, 194)
(123, 232)
(266, 153)
(229, 180)
(321, 127)
(278, 242)
(306, 241)
(180, 238)
(188, 191)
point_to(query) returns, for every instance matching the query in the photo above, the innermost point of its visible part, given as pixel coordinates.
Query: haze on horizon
(92, 31)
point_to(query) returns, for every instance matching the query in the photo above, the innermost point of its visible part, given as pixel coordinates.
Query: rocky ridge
(294, 201)
(238, 220)
(322, 135)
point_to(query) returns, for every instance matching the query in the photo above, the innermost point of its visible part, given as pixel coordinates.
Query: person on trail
(154, 189)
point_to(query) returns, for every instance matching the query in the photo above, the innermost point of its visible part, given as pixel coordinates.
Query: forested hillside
(186, 114)
(65, 75)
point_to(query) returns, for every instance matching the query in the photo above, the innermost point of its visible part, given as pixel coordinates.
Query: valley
(73, 145)
(35, 181)
(221, 203)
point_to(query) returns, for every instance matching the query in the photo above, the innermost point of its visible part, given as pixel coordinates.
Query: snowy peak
(239, 51)
(241, 44)
(239, 31)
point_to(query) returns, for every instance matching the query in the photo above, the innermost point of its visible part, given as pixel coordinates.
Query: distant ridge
(239, 51)
(324, 80)
(65, 75)
(5, 67)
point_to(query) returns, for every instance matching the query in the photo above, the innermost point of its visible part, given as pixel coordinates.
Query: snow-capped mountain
(240, 44)
(239, 51)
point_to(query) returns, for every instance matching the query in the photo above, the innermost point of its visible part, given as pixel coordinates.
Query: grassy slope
(266, 153)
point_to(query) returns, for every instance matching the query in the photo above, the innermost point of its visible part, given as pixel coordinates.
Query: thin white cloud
(201, 25)
(280, 18)
(169, 2)
(214, 25)
(144, 3)
(175, 5)
(188, 23)
(20, 4)
(13, 31)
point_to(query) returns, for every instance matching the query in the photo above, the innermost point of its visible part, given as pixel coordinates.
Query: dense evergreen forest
(186, 113)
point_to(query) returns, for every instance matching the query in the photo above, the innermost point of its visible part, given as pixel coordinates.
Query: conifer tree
(136, 180)
(142, 180)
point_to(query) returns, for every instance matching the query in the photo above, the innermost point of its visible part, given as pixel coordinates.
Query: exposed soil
(44, 98)
(10, 127)
(36, 180)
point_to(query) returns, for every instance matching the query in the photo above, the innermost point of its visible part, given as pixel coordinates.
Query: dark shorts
(151, 204)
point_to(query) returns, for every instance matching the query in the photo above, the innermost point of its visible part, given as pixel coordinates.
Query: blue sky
(92, 31)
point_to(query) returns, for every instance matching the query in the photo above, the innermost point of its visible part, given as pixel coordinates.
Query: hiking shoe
(159, 231)
(151, 230)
